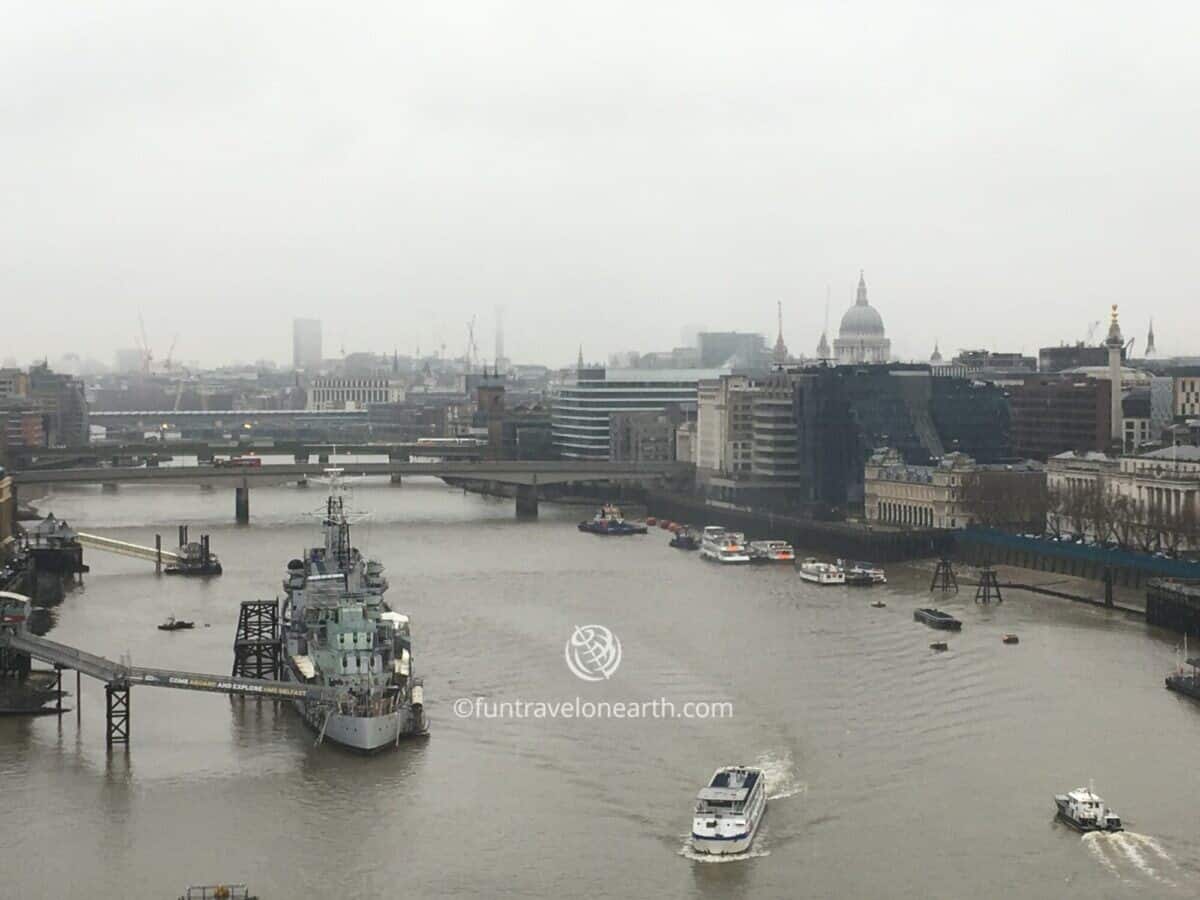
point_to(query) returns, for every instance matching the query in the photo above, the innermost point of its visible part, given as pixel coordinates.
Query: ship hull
(1083, 827)
(721, 846)
(367, 734)
(364, 733)
(1188, 685)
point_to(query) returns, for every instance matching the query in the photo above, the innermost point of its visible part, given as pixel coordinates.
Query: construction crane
(144, 345)
(170, 353)
(1092, 330)
(472, 350)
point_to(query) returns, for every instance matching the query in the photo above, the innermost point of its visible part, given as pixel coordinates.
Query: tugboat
(174, 624)
(609, 521)
(1183, 682)
(729, 810)
(684, 540)
(818, 572)
(935, 618)
(1083, 810)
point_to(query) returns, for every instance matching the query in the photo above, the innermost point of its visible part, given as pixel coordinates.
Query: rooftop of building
(652, 376)
(1179, 453)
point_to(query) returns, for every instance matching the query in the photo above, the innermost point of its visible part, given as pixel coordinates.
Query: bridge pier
(241, 504)
(395, 456)
(301, 459)
(117, 713)
(323, 458)
(527, 501)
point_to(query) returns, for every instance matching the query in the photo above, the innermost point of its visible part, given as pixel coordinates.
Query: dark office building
(1073, 356)
(842, 414)
(733, 349)
(996, 362)
(1052, 414)
(65, 407)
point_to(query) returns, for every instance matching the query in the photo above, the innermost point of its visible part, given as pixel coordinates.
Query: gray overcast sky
(608, 172)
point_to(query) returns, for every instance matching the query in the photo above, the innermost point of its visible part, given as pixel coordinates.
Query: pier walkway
(124, 548)
(104, 669)
(119, 677)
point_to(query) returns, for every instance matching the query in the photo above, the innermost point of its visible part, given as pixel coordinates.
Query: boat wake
(780, 773)
(757, 849)
(1127, 853)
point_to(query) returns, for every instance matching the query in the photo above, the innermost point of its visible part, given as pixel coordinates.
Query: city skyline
(800, 348)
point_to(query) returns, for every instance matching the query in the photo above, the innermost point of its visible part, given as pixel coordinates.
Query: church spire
(861, 299)
(1150, 338)
(780, 353)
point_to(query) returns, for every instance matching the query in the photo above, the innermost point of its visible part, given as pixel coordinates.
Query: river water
(895, 771)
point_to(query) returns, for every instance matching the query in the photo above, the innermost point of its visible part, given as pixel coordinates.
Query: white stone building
(861, 338)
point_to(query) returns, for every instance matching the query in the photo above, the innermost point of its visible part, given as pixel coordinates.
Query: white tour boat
(729, 810)
(821, 572)
(723, 546)
(862, 572)
(771, 551)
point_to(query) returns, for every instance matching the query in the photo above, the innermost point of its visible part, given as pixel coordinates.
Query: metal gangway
(111, 545)
(119, 677)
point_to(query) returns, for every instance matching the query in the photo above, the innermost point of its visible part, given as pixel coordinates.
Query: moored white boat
(724, 546)
(863, 573)
(818, 572)
(729, 810)
(771, 551)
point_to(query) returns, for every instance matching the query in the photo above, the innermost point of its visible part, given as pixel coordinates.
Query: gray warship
(339, 632)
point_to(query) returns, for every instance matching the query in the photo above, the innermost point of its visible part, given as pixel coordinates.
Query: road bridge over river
(206, 451)
(525, 476)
